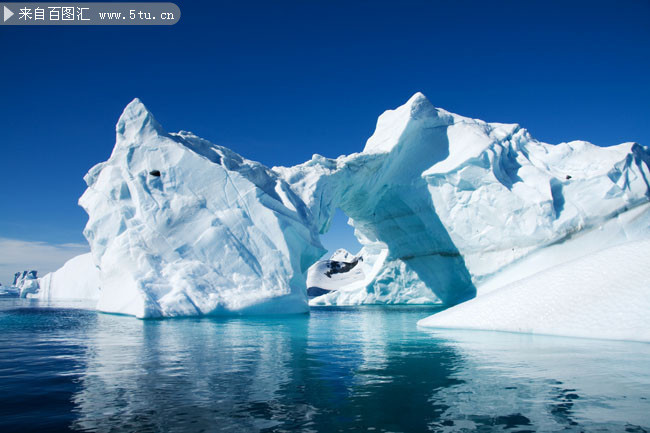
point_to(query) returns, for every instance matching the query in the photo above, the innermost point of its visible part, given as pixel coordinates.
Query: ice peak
(392, 123)
(137, 120)
(420, 106)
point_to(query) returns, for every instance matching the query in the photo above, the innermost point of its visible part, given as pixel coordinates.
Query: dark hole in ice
(155, 173)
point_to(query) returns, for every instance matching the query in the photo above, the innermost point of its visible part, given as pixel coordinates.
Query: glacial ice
(77, 279)
(179, 226)
(444, 204)
(26, 282)
(605, 294)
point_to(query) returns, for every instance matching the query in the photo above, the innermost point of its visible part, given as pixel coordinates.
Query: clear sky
(279, 80)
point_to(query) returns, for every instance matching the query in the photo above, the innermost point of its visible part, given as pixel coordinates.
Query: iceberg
(179, 226)
(77, 279)
(26, 282)
(601, 295)
(445, 206)
(9, 291)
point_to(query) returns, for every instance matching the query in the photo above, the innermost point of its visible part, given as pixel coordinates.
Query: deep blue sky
(280, 80)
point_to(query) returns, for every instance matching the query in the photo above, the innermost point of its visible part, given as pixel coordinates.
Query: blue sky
(278, 81)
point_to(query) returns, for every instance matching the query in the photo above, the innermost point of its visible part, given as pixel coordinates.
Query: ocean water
(337, 369)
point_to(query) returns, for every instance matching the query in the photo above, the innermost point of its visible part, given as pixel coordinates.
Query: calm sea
(336, 369)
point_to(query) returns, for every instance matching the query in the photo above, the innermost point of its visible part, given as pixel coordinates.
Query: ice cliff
(77, 279)
(179, 226)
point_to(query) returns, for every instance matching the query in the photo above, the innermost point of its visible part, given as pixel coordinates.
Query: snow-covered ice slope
(77, 279)
(601, 295)
(341, 270)
(441, 203)
(179, 226)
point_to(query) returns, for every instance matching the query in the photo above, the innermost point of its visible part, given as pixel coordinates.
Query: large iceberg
(601, 295)
(444, 204)
(179, 226)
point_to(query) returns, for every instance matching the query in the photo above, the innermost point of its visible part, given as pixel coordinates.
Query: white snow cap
(392, 123)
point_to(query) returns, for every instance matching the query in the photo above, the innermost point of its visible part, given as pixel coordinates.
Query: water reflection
(546, 383)
(339, 369)
(195, 374)
(335, 369)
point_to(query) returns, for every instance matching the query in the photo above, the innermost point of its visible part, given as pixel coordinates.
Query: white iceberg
(25, 283)
(602, 295)
(179, 226)
(442, 203)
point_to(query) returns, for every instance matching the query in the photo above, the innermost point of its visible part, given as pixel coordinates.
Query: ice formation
(443, 204)
(601, 295)
(338, 273)
(26, 282)
(77, 279)
(179, 226)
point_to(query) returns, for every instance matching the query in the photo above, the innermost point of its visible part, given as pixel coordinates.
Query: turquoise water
(337, 369)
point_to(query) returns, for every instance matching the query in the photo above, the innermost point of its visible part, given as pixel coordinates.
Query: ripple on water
(365, 368)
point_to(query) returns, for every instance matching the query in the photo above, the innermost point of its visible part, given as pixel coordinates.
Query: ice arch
(440, 202)
(409, 256)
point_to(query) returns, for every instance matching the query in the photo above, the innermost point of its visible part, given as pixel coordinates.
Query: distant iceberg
(25, 282)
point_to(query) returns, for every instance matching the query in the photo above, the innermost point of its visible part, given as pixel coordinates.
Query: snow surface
(77, 279)
(442, 203)
(602, 295)
(179, 226)
(343, 255)
(332, 274)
